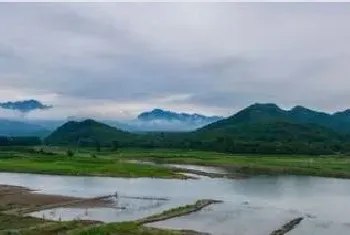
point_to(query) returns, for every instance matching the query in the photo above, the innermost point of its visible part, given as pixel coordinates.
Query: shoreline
(19, 200)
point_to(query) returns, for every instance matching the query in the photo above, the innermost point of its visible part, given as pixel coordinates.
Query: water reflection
(271, 199)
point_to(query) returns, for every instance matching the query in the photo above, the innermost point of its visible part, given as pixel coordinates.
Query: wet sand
(17, 199)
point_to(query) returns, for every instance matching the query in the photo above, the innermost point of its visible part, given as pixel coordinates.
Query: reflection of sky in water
(279, 196)
(135, 209)
(231, 218)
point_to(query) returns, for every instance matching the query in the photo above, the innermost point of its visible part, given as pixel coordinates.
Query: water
(251, 206)
(206, 169)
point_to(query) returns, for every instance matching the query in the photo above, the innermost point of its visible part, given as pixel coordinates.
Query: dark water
(251, 206)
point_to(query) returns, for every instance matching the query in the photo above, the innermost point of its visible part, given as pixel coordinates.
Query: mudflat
(21, 199)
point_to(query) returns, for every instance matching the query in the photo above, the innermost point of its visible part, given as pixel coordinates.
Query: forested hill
(87, 133)
(260, 128)
(259, 113)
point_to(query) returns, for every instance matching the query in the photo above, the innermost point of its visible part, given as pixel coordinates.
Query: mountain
(17, 128)
(162, 120)
(87, 133)
(259, 128)
(339, 122)
(265, 128)
(159, 114)
(25, 105)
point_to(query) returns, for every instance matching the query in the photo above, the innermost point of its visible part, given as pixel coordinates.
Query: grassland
(107, 163)
(337, 166)
(77, 165)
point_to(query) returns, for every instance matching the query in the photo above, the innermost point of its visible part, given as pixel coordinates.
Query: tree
(115, 145)
(70, 153)
(98, 146)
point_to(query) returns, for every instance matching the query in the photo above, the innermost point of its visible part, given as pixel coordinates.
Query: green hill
(265, 128)
(87, 133)
(260, 128)
(257, 113)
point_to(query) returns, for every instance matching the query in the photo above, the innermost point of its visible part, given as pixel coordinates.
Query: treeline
(269, 137)
(20, 141)
(239, 146)
(190, 141)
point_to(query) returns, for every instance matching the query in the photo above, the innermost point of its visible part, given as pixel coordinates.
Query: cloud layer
(117, 59)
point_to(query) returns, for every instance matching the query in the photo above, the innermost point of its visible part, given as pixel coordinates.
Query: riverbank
(138, 227)
(17, 200)
(323, 166)
(86, 162)
(82, 166)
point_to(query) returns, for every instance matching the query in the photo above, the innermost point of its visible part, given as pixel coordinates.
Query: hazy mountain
(25, 105)
(259, 128)
(17, 128)
(162, 120)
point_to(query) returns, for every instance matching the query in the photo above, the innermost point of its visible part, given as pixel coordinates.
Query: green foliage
(260, 128)
(98, 146)
(87, 133)
(126, 228)
(19, 141)
(115, 146)
(82, 165)
(70, 153)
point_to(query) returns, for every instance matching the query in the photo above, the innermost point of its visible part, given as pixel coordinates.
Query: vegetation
(177, 212)
(127, 228)
(19, 141)
(17, 225)
(88, 133)
(79, 165)
(260, 128)
(331, 166)
(109, 163)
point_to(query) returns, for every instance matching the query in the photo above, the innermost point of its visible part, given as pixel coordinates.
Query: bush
(93, 155)
(70, 153)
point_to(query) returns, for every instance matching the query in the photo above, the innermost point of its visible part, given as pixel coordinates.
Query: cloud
(118, 59)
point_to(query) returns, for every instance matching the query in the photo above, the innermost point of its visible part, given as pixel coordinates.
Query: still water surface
(252, 206)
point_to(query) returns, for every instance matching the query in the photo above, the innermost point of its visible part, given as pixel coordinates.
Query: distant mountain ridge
(25, 105)
(166, 118)
(259, 128)
(17, 128)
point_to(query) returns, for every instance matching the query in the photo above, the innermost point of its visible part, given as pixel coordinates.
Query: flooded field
(252, 206)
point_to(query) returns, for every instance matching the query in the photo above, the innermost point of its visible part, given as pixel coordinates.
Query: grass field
(328, 166)
(106, 163)
(79, 164)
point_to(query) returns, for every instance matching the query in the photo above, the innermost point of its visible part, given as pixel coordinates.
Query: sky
(115, 60)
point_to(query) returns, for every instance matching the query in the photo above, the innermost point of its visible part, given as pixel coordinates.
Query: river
(253, 206)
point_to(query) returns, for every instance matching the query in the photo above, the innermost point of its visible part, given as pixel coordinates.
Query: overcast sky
(114, 60)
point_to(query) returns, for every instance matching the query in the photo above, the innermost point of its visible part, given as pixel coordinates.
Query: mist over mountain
(25, 106)
(163, 120)
(18, 128)
(259, 128)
